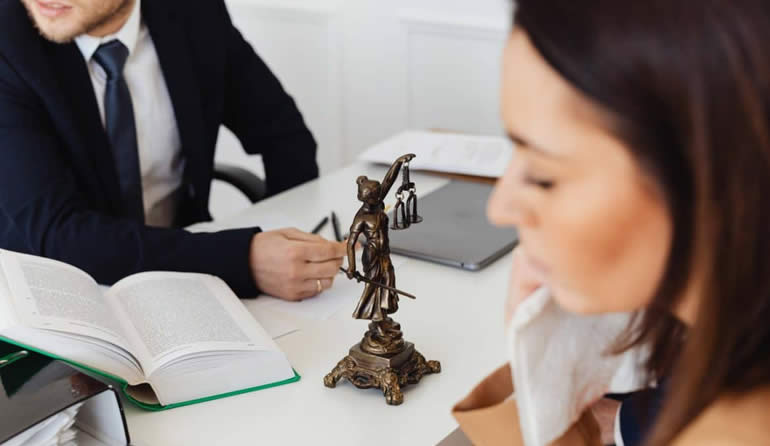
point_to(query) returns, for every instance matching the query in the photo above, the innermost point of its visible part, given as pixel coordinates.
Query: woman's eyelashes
(539, 182)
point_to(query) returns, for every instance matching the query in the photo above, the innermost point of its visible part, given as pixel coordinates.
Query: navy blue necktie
(121, 128)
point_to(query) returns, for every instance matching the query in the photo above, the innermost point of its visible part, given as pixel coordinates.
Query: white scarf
(561, 364)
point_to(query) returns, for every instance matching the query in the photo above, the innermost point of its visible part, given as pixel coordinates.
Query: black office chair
(245, 181)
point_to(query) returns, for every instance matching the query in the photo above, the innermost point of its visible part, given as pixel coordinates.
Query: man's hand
(289, 263)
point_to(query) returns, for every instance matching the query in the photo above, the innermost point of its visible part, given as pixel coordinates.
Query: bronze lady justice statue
(382, 359)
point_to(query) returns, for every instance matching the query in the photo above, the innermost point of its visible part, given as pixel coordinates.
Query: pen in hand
(320, 225)
(336, 227)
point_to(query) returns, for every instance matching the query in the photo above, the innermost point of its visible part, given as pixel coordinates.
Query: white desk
(456, 319)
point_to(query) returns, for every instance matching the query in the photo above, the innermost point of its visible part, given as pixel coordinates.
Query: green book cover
(123, 385)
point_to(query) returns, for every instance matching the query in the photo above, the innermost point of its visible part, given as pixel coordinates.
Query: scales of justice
(383, 359)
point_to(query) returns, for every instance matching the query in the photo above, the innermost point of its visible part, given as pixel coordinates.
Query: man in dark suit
(109, 114)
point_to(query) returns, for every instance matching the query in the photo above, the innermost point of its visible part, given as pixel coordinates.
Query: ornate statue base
(383, 360)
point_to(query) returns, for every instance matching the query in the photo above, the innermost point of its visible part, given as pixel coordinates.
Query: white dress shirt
(160, 158)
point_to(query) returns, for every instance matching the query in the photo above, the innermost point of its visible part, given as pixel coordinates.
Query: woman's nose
(504, 207)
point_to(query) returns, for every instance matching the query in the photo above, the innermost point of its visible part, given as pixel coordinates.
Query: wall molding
(286, 11)
(478, 27)
(420, 24)
(325, 18)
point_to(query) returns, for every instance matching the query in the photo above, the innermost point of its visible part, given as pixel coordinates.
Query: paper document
(267, 222)
(485, 156)
(275, 324)
(343, 294)
(56, 430)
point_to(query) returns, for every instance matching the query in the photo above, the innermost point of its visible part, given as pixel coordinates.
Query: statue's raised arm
(392, 175)
(383, 358)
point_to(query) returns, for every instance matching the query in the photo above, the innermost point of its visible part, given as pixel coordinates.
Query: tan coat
(490, 418)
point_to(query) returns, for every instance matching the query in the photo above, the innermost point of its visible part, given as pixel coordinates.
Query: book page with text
(175, 315)
(52, 295)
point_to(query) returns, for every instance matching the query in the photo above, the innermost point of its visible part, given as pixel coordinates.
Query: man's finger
(322, 270)
(310, 288)
(322, 252)
(300, 236)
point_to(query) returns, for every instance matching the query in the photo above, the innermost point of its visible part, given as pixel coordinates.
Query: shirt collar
(128, 35)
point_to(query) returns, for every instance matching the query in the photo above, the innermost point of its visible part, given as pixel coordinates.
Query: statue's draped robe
(376, 302)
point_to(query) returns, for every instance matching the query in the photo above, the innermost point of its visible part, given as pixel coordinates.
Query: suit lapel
(92, 147)
(63, 83)
(170, 39)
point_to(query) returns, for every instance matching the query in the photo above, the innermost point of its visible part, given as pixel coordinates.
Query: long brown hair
(687, 83)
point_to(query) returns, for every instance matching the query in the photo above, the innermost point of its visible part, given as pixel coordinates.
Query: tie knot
(112, 58)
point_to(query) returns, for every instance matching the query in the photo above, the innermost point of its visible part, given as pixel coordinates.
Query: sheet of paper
(322, 307)
(343, 294)
(485, 156)
(53, 431)
(275, 323)
(267, 222)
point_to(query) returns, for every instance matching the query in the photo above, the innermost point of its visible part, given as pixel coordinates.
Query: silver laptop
(455, 230)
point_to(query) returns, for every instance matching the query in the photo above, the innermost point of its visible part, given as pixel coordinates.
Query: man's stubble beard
(98, 19)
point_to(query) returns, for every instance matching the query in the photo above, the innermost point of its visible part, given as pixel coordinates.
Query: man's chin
(56, 30)
(56, 33)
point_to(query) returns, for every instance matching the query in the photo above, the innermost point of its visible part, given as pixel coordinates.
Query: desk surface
(457, 319)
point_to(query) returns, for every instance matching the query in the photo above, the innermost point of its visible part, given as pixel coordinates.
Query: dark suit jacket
(58, 183)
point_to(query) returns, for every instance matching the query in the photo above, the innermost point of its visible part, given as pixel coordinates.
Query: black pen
(336, 226)
(320, 225)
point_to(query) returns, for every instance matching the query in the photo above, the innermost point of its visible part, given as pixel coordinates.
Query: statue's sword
(360, 278)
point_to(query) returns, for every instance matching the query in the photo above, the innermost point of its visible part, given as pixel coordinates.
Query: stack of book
(47, 402)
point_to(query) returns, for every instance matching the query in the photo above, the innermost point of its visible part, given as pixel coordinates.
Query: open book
(169, 339)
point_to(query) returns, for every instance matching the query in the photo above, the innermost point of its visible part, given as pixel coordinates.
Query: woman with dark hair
(642, 181)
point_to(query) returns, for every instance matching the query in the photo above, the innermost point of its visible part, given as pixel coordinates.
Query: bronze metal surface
(383, 359)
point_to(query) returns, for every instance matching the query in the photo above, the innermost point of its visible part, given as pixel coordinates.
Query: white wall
(362, 70)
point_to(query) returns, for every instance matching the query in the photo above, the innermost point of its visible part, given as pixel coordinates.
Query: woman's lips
(52, 10)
